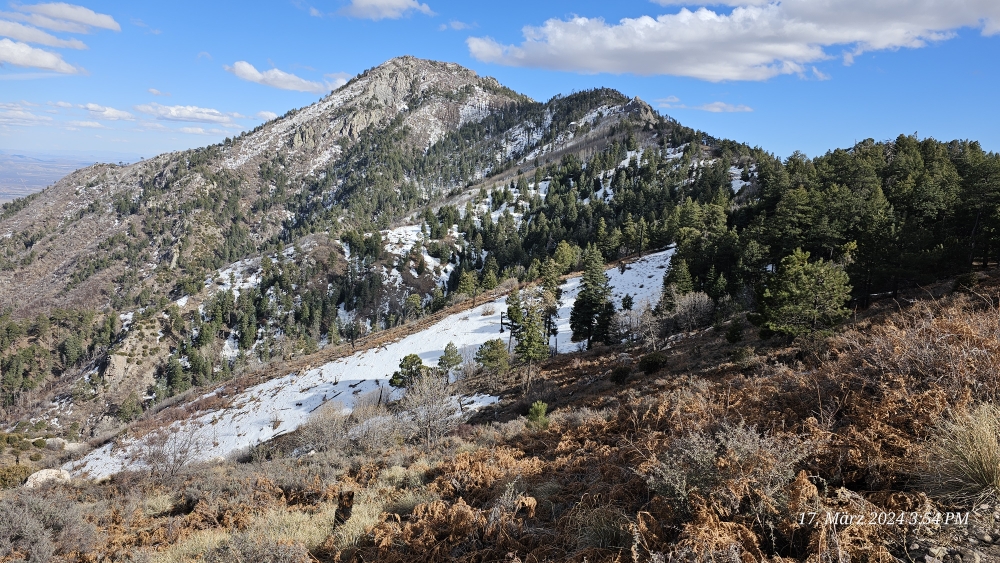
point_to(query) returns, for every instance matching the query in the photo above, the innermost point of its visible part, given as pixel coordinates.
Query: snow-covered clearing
(283, 404)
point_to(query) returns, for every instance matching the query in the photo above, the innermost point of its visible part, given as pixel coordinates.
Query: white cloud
(201, 131)
(156, 92)
(107, 113)
(16, 115)
(61, 104)
(756, 40)
(45, 22)
(723, 107)
(384, 9)
(185, 113)
(24, 55)
(266, 115)
(673, 102)
(315, 13)
(456, 25)
(86, 124)
(28, 34)
(73, 14)
(336, 79)
(276, 78)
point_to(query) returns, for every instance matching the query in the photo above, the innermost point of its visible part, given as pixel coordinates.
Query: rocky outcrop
(45, 476)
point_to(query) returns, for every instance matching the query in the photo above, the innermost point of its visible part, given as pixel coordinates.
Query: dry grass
(707, 464)
(964, 458)
(192, 548)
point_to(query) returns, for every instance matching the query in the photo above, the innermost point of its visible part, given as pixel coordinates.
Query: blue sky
(140, 78)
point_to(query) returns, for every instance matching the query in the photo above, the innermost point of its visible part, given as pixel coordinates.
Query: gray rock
(39, 478)
(931, 559)
(937, 552)
(971, 556)
(985, 538)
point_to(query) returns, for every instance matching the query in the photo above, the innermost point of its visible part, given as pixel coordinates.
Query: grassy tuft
(965, 457)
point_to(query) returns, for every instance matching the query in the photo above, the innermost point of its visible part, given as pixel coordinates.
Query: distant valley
(26, 172)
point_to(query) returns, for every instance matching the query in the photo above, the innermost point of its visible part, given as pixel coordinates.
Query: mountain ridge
(50, 251)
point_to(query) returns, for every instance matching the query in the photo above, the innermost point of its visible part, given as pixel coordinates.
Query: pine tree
(590, 302)
(679, 276)
(450, 359)
(493, 357)
(804, 297)
(532, 345)
(466, 283)
(410, 368)
(515, 312)
(551, 296)
(565, 256)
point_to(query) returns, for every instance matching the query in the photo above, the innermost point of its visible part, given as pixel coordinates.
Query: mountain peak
(433, 97)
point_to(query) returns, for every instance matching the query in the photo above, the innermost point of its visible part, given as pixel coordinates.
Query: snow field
(283, 404)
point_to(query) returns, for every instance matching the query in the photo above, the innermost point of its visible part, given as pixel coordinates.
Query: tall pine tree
(531, 345)
(591, 301)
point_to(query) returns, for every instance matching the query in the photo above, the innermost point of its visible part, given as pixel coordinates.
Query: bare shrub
(374, 429)
(35, 527)
(488, 310)
(429, 404)
(507, 285)
(964, 457)
(167, 450)
(326, 429)
(692, 310)
(954, 345)
(734, 467)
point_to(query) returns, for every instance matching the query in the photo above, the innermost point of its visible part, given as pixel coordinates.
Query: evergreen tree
(177, 379)
(532, 345)
(679, 276)
(804, 297)
(466, 283)
(493, 357)
(410, 368)
(590, 302)
(450, 359)
(490, 280)
(565, 256)
(515, 312)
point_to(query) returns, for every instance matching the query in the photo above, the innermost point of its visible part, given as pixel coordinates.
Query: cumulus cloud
(384, 9)
(72, 14)
(107, 113)
(756, 40)
(156, 92)
(276, 78)
(266, 115)
(24, 55)
(185, 113)
(28, 34)
(61, 104)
